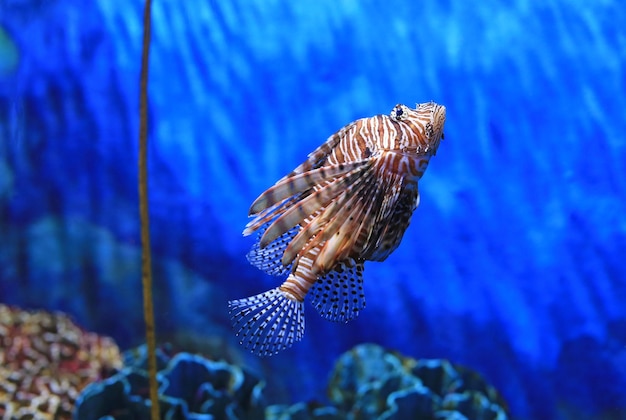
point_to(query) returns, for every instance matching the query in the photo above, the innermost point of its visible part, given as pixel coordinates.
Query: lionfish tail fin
(269, 322)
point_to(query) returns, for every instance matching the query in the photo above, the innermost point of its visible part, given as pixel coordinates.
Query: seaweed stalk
(146, 259)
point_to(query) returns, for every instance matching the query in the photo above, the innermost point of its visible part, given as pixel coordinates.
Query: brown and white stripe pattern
(349, 202)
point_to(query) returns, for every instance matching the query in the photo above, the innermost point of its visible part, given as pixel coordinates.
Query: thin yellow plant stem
(146, 259)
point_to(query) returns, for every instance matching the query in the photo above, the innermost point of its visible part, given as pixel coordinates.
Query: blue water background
(513, 264)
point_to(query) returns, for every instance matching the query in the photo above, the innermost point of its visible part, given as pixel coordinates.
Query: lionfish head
(429, 117)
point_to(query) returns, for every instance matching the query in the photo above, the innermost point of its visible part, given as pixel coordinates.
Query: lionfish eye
(442, 135)
(399, 112)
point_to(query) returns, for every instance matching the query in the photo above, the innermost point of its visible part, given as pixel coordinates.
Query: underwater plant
(351, 201)
(144, 214)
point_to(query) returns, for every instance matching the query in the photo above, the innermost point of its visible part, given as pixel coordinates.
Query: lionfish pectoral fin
(311, 234)
(269, 259)
(268, 322)
(313, 203)
(339, 296)
(329, 253)
(298, 183)
(263, 219)
(344, 230)
(329, 220)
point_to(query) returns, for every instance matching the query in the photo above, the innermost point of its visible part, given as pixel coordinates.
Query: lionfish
(351, 201)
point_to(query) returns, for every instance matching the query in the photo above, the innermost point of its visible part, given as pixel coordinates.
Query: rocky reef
(190, 387)
(368, 382)
(45, 362)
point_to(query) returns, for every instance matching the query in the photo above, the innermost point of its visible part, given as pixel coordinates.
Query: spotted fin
(268, 322)
(269, 259)
(338, 296)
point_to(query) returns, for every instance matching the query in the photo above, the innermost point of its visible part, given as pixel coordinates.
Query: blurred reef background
(513, 265)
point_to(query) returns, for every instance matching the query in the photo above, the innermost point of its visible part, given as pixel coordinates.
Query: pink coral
(46, 360)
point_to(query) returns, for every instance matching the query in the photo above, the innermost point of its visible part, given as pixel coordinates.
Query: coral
(190, 386)
(46, 360)
(369, 382)
(303, 411)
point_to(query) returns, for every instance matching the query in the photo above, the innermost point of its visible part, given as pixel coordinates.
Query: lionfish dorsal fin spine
(319, 156)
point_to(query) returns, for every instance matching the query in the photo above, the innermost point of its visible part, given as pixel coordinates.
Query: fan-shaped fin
(327, 230)
(360, 223)
(301, 182)
(341, 234)
(269, 259)
(338, 295)
(310, 205)
(320, 220)
(329, 253)
(268, 322)
(262, 219)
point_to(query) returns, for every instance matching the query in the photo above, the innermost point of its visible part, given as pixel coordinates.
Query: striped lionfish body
(349, 202)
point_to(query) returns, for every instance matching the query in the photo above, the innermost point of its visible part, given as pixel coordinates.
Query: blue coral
(190, 387)
(369, 382)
